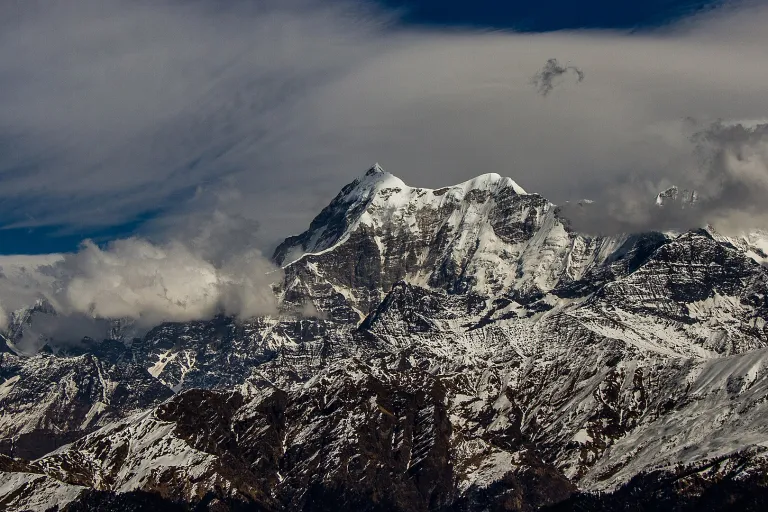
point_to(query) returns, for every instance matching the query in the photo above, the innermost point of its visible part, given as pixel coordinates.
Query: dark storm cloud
(544, 79)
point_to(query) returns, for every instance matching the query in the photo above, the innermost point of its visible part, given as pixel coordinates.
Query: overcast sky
(114, 109)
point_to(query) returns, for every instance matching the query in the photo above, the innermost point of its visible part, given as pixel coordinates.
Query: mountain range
(452, 349)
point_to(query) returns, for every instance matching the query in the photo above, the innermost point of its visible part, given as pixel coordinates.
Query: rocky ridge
(467, 351)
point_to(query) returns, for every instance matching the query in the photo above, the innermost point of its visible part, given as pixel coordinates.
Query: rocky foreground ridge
(456, 349)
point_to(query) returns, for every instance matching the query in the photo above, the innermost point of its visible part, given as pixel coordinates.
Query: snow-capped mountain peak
(372, 182)
(383, 188)
(673, 195)
(491, 181)
(486, 234)
(378, 198)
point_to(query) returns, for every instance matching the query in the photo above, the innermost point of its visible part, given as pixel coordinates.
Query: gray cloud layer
(111, 108)
(728, 170)
(263, 110)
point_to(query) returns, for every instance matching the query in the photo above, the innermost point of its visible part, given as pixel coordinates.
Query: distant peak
(376, 169)
(377, 174)
(492, 180)
(673, 195)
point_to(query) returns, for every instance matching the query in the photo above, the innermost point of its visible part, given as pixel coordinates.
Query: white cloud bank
(136, 279)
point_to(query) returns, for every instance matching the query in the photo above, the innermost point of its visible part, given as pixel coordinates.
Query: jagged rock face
(31, 491)
(693, 296)
(753, 244)
(223, 353)
(191, 355)
(593, 403)
(454, 349)
(618, 365)
(359, 436)
(47, 401)
(625, 255)
(197, 446)
(485, 236)
(736, 482)
(24, 486)
(386, 442)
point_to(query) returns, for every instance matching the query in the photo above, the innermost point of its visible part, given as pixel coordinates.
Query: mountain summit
(376, 198)
(486, 234)
(673, 195)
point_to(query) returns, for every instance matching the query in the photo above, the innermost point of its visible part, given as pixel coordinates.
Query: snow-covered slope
(753, 243)
(47, 401)
(355, 433)
(578, 388)
(485, 236)
(34, 492)
(377, 199)
(466, 350)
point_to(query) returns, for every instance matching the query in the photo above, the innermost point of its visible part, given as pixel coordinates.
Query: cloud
(727, 170)
(136, 279)
(308, 310)
(445, 107)
(544, 79)
(60, 332)
(732, 179)
(264, 109)
(22, 279)
(139, 280)
(112, 108)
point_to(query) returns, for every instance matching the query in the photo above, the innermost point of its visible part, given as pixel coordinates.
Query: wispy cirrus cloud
(113, 109)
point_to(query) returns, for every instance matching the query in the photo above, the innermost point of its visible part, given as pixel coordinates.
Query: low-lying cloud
(136, 279)
(144, 282)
